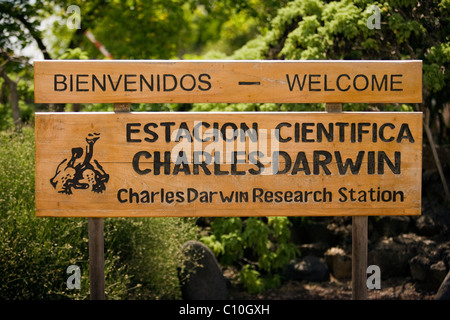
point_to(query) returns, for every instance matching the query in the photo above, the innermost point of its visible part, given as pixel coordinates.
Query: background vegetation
(142, 255)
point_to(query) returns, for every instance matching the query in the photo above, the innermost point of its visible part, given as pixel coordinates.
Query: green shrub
(141, 254)
(260, 247)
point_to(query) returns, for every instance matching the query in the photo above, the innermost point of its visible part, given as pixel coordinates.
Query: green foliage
(436, 76)
(315, 29)
(74, 54)
(261, 247)
(141, 255)
(6, 120)
(15, 17)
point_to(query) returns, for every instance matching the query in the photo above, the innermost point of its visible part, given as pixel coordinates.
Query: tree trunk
(14, 98)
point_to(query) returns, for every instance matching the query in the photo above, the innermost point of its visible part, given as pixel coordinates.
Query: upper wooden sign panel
(167, 81)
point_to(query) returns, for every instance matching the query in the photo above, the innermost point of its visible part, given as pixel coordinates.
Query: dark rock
(310, 268)
(391, 256)
(339, 263)
(314, 231)
(391, 226)
(438, 271)
(395, 254)
(202, 278)
(313, 249)
(426, 226)
(444, 289)
(420, 268)
(340, 229)
(427, 274)
(444, 249)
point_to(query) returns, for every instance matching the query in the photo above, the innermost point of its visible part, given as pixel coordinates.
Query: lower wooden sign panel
(228, 164)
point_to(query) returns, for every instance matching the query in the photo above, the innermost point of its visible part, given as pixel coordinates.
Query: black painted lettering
(183, 132)
(71, 82)
(311, 82)
(197, 129)
(326, 84)
(400, 194)
(276, 162)
(207, 83)
(318, 162)
(306, 130)
(379, 86)
(361, 130)
(322, 131)
(180, 196)
(343, 197)
(225, 129)
(153, 134)
(327, 194)
(297, 132)
(353, 132)
(393, 82)
(128, 82)
(405, 133)
(143, 80)
(130, 130)
(157, 164)
(167, 126)
(295, 81)
(102, 85)
(301, 164)
(112, 83)
(186, 84)
(154, 194)
(166, 82)
(355, 81)
(59, 79)
(201, 163)
(136, 161)
(181, 164)
(217, 170)
(371, 162)
(342, 126)
(338, 83)
(119, 195)
(278, 132)
(382, 134)
(80, 82)
(268, 196)
(253, 158)
(192, 195)
(251, 133)
(257, 194)
(382, 158)
(133, 195)
(354, 166)
(374, 132)
(236, 161)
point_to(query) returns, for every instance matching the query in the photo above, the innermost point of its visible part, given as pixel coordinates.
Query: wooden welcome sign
(228, 164)
(227, 81)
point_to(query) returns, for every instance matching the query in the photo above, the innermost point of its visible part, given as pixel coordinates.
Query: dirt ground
(391, 289)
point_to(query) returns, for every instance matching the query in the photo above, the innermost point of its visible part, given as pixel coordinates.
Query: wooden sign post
(127, 164)
(96, 244)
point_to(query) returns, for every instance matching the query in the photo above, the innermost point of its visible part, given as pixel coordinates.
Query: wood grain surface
(128, 164)
(167, 81)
